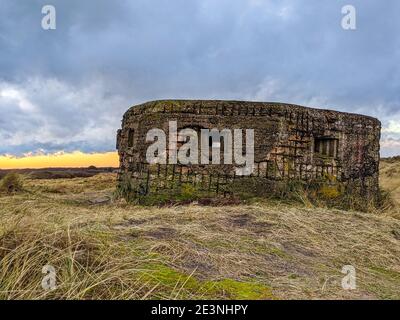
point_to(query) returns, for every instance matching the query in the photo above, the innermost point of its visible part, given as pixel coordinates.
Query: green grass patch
(386, 273)
(185, 286)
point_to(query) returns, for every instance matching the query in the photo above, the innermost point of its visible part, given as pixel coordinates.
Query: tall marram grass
(87, 266)
(123, 251)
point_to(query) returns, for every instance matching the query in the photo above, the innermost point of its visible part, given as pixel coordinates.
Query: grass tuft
(11, 183)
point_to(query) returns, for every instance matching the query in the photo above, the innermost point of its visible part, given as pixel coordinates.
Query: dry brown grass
(389, 180)
(118, 251)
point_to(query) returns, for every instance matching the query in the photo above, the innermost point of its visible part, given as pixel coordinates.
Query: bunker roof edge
(259, 103)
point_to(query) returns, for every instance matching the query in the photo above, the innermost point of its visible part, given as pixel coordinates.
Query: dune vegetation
(104, 248)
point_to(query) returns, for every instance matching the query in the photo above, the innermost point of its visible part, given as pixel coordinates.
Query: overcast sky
(67, 89)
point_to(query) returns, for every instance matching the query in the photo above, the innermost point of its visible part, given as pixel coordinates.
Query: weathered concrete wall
(291, 143)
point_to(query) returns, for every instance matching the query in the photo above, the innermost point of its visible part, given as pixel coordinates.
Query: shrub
(11, 183)
(125, 189)
(329, 192)
(188, 192)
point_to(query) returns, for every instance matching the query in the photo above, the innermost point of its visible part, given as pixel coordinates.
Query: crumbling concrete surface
(291, 143)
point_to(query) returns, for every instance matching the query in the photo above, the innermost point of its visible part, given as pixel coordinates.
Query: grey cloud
(108, 55)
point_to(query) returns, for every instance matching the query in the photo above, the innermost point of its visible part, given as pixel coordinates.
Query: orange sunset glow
(65, 160)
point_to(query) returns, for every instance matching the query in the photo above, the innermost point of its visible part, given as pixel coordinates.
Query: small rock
(100, 200)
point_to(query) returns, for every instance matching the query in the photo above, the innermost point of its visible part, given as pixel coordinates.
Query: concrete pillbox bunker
(291, 143)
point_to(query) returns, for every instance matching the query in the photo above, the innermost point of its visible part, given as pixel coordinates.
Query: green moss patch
(177, 284)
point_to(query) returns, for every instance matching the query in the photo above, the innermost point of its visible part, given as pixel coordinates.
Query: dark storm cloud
(68, 88)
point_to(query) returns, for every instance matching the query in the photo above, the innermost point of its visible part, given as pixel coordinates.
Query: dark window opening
(131, 134)
(326, 147)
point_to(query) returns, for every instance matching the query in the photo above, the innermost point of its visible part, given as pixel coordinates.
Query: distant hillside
(59, 173)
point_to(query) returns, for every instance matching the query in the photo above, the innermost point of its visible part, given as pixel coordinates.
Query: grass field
(104, 248)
